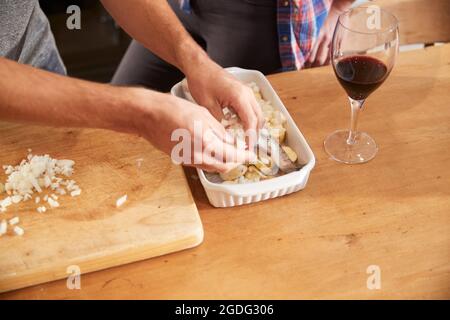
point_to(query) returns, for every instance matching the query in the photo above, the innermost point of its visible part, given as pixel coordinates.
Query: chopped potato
(278, 132)
(265, 167)
(258, 95)
(252, 176)
(277, 119)
(290, 153)
(235, 173)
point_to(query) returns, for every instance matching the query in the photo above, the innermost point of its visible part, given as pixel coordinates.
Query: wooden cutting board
(88, 231)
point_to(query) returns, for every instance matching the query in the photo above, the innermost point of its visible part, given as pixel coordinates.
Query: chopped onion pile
(34, 176)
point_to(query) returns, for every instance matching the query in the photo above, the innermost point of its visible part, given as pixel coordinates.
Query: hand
(158, 122)
(213, 87)
(320, 53)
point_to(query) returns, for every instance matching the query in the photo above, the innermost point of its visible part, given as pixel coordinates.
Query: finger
(312, 56)
(231, 153)
(259, 115)
(217, 166)
(247, 115)
(215, 110)
(218, 129)
(250, 118)
(328, 59)
(251, 138)
(322, 54)
(213, 165)
(226, 152)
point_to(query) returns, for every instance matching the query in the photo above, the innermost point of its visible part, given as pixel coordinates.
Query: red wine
(360, 75)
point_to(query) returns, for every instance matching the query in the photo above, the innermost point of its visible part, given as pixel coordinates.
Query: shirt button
(284, 38)
(286, 3)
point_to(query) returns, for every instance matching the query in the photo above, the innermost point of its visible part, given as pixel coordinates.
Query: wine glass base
(363, 150)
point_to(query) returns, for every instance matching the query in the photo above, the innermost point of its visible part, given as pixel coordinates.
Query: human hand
(214, 88)
(205, 143)
(320, 53)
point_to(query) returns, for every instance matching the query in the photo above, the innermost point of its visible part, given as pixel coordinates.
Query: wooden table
(393, 212)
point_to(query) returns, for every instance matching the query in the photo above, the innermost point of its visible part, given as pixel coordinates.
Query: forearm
(154, 24)
(31, 95)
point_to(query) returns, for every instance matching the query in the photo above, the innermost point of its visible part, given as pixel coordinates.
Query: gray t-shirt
(26, 37)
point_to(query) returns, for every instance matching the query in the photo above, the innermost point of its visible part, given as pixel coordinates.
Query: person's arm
(28, 94)
(320, 53)
(154, 24)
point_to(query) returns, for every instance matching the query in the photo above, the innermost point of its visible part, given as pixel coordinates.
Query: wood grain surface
(393, 212)
(88, 231)
(420, 21)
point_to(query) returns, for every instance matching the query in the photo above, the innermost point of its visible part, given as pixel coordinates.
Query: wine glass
(363, 52)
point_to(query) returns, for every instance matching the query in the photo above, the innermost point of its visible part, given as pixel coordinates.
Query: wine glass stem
(356, 106)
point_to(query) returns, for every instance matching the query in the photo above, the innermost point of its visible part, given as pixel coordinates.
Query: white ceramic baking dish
(228, 195)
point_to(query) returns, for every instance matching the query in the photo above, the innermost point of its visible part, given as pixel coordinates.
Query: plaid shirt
(299, 23)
